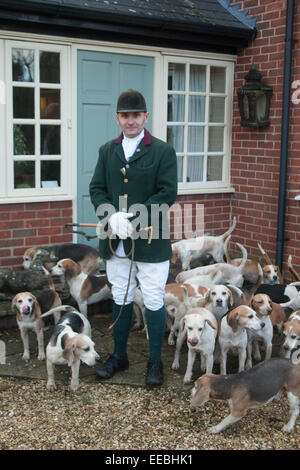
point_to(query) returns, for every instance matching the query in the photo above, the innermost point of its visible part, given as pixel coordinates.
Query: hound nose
(274, 278)
(219, 301)
(193, 342)
(262, 324)
(286, 348)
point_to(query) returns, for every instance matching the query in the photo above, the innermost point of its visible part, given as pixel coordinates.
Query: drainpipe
(284, 132)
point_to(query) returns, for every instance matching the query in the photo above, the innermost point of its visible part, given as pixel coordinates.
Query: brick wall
(256, 153)
(31, 224)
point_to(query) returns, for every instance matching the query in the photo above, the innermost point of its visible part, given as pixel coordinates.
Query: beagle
(271, 272)
(29, 317)
(251, 389)
(291, 332)
(233, 334)
(200, 327)
(218, 300)
(230, 274)
(86, 256)
(191, 249)
(263, 306)
(29, 309)
(177, 303)
(69, 344)
(86, 289)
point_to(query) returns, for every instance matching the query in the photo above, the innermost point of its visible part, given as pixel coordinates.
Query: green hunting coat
(148, 178)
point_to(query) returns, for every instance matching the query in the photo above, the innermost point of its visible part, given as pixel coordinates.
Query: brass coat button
(125, 180)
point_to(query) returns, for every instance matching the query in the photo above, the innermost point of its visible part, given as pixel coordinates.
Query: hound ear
(210, 324)
(68, 352)
(206, 297)
(13, 304)
(230, 299)
(250, 303)
(233, 321)
(182, 324)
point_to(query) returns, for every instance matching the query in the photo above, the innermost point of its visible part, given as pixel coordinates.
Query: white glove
(120, 225)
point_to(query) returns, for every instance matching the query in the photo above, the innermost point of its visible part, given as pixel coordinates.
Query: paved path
(137, 354)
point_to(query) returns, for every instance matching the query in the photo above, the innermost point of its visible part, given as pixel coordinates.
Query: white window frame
(206, 186)
(38, 193)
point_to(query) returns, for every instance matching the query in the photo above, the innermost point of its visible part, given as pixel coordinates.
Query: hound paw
(41, 357)
(213, 430)
(171, 342)
(51, 387)
(25, 357)
(74, 386)
(287, 428)
(175, 365)
(187, 380)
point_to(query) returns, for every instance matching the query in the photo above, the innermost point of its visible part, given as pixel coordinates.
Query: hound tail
(293, 303)
(243, 250)
(292, 269)
(230, 230)
(64, 308)
(265, 255)
(245, 256)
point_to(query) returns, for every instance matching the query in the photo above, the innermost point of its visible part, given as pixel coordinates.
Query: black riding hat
(131, 101)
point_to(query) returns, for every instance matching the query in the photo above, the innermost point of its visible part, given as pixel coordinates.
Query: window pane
(23, 103)
(49, 67)
(215, 139)
(176, 77)
(217, 79)
(176, 108)
(198, 78)
(49, 104)
(175, 137)
(50, 174)
(23, 139)
(50, 140)
(194, 169)
(214, 167)
(196, 108)
(24, 174)
(23, 65)
(195, 139)
(179, 169)
(216, 109)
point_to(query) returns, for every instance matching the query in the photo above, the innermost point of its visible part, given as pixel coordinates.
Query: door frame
(157, 102)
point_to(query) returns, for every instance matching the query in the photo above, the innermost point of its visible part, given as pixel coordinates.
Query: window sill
(33, 199)
(214, 190)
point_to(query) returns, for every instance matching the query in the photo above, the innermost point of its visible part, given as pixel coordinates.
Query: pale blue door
(101, 79)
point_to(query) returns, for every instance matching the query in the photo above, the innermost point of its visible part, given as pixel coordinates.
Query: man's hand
(120, 224)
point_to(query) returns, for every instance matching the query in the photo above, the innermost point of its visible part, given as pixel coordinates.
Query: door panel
(101, 79)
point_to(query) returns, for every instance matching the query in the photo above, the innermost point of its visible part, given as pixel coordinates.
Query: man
(136, 168)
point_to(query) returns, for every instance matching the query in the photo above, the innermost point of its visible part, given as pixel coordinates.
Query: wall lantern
(254, 100)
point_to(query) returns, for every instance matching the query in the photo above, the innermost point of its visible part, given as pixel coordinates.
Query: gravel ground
(112, 417)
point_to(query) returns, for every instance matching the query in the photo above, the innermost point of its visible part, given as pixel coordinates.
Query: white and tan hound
(85, 289)
(233, 334)
(69, 344)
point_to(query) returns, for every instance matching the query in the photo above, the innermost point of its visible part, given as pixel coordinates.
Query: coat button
(125, 180)
(125, 195)
(127, 166)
